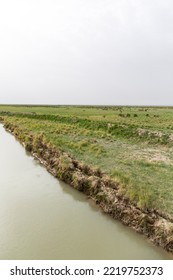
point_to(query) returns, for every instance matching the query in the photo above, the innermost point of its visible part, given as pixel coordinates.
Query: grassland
(133, 145)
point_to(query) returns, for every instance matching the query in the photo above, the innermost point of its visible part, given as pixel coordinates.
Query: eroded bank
(158, 227)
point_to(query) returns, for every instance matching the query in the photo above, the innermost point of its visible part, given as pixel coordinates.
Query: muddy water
(43, 218)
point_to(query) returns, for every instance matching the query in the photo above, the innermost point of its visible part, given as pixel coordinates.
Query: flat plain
(132, 145)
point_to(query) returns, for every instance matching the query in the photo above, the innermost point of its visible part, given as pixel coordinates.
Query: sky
(101, 52)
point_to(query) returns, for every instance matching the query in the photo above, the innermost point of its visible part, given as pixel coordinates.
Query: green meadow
(133, 145)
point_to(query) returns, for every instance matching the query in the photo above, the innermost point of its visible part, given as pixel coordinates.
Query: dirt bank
(156, 226)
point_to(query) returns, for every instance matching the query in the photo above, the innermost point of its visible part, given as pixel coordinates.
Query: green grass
(133, 145)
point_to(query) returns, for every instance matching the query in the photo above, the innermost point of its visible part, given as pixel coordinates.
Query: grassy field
(133, 145)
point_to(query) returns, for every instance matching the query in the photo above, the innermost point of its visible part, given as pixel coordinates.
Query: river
(43, 218)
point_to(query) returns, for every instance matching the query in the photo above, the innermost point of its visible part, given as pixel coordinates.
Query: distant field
(133, 145)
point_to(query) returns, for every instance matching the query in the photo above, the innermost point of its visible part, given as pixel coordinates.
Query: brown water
(43, 218)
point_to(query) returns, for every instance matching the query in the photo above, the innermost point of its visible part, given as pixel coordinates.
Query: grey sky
(86, 52)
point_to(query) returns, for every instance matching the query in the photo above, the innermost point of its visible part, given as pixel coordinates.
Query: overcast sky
(86, 52)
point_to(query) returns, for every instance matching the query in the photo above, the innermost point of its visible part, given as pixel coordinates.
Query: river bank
(157, 227)
(42, 217)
